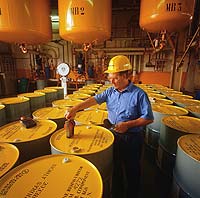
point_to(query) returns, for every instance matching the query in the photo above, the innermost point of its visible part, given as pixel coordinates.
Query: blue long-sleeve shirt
(130, 104)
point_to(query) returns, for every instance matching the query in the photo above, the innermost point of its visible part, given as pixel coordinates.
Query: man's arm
(83, 105)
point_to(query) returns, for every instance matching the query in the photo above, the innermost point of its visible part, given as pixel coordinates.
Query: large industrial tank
(53, 176)
(25, 21)
(157, 15)
(84, 21)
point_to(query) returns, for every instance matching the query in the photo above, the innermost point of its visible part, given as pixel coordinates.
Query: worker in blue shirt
(129, 110)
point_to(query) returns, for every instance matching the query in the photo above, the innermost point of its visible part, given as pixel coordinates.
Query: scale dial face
(63, 69)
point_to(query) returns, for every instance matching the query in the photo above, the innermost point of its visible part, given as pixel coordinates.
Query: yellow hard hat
(118, 63)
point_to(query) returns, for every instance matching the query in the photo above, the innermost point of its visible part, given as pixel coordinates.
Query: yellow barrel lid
(183, 123)
(53, 176)
(160, 101)
(2, 106)
(13, 100)
(78, 96)
(101, 106)
(91, 117)
(9, 155)
(187, 102)
(151, 91)
(31, 95)
(190, 144)
(89, 88)
(46, 90)
(154, 95)
(193, 108)
(49, 113)
(86, 91)
(174, 96)
(170, 92)
(66, 102)
(62, 88)
(15, 132)
(87, 139)
(169, 109)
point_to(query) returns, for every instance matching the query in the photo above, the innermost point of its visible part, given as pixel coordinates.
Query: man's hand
(121, 127)
(70, 113)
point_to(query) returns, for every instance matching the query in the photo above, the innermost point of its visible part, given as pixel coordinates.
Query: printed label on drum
(86, 139)
(41, 178)
(191, 145)
(49, 113)
(91, 117)
(183, 123)
(16, 132)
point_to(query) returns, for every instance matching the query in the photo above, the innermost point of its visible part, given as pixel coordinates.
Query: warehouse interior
(160, 57)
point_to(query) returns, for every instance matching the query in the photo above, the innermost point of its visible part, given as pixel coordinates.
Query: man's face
(117, 80)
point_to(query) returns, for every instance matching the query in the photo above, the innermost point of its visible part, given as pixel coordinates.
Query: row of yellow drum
(77, 162)
(174, 135)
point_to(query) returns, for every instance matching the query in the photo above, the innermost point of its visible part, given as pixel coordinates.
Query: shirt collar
(129, 88)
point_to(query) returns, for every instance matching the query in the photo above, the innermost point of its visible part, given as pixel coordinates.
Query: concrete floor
(155, 183)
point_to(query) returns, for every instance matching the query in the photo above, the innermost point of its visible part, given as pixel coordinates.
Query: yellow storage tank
(25, 21)
(53, 176)
(31, 142)
(83, 21)
(157, 15)
(9, 155)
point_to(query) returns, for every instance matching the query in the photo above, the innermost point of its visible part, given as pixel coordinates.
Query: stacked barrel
(174, 136)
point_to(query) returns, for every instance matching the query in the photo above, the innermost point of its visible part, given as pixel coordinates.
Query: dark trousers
(126, 165)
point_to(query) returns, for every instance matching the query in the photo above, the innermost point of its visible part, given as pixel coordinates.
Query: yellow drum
(91, 142)
(37, 100)
(79, 20)
(25, 21)
(50, 95)
(16, 107)
(60, 91)
(9, 155)
(194, 110)
(66, 103)
(186, 102)
(32, 142)
(85, 91)
(2, 115)
(80, 96)
(187, 167)
(91, 117)
(51, 113)
(160, 101)
(53, 176)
